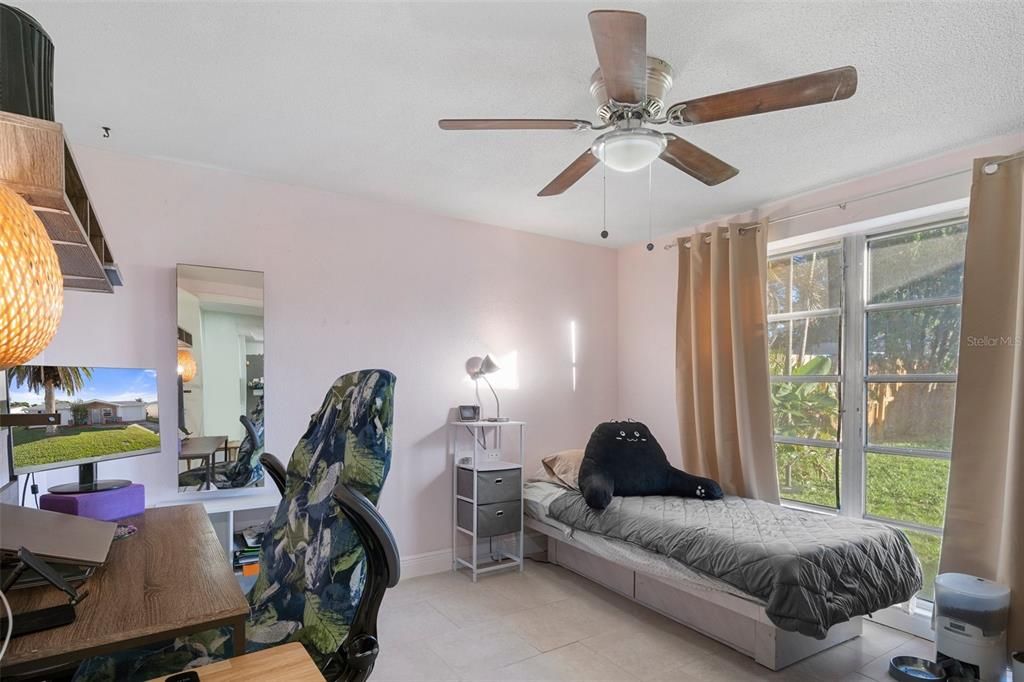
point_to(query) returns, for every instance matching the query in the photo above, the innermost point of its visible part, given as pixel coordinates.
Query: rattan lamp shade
(31, 284)
(186, 365)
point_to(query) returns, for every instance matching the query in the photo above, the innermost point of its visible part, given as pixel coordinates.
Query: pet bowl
(914, 669)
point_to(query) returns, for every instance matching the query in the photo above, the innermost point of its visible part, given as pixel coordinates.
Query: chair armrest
(274, 469)
(357, 653)
(373, 531)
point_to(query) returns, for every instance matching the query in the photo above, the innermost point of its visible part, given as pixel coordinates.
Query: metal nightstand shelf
(487, 494)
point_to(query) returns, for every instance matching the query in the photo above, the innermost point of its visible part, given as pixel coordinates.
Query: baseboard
(440, 560)
(427, 563)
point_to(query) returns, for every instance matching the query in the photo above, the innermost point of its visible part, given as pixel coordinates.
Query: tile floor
(550, 624)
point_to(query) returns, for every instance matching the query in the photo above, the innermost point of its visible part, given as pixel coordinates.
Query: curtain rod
(994, 165)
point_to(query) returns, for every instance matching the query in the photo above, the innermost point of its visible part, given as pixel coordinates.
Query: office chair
(327, 556)
(356, 656)
(245, 471)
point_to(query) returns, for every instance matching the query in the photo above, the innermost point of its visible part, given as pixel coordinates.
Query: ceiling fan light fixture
(630, 150)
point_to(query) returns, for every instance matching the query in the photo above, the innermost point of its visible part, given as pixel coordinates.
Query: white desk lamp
(478, 368)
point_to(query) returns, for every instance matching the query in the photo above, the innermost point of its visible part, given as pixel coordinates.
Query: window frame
(861, 309)
(853, 378)
(838, 379)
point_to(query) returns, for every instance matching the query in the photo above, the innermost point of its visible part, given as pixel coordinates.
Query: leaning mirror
(220, 378)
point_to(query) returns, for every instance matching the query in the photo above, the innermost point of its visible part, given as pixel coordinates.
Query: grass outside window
(34, 446)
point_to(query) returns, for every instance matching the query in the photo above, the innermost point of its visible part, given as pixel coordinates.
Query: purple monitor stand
(105, 505)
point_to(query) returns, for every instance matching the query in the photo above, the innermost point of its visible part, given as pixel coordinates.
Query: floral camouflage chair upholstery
(246, 470)
(312, 564)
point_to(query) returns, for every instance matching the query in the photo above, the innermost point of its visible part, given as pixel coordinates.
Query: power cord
(25, 489)
(483, 444)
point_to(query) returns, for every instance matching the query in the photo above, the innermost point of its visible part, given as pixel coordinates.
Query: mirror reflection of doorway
(220, 378)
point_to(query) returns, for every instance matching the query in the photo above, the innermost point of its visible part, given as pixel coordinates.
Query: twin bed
(775, 583)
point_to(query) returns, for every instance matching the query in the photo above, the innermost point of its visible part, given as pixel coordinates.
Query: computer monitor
(104, 413)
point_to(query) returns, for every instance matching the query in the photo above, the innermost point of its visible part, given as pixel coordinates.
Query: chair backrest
(247, 469)
(311, 561)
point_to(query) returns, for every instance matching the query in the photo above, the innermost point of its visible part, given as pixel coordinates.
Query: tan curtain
(984, 533)
(722, 384)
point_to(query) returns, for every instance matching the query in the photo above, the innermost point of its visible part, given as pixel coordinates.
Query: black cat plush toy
(623, 458)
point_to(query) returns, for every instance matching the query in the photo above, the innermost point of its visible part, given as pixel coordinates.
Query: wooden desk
(204, 448)
(168, 579)
(286, 662)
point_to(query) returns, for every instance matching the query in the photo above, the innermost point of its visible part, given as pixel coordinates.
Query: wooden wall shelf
(36, 161)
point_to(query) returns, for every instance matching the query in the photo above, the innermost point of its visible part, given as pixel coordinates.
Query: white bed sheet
(538, 496)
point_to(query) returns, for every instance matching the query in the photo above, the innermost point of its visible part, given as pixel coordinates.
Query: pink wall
(350, 284)
(353, 283)
(647, 280)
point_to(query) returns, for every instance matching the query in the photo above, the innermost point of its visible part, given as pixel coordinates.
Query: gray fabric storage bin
(492, 519)
(500, 485)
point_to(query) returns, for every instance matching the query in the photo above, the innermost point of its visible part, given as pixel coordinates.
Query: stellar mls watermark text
(993, 341)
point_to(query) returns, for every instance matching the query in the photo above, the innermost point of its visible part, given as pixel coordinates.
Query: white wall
(349, 284)
(224, 380)
(647, 280)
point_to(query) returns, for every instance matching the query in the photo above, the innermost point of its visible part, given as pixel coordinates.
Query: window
(913, 284)
(863, 349)
(804, 343)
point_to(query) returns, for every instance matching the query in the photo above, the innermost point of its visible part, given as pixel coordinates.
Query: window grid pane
(908, 489)
(805, 341)
(914, 281)
(910, 415)
(805, 281)
(806, 410)
(804, 346)
(920, 340)
(808, 474)
(919, 264)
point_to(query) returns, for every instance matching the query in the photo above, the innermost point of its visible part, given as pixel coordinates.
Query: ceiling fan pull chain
(604, 201)
(650, 208)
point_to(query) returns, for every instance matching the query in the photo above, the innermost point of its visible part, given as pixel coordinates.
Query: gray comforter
(810, 570)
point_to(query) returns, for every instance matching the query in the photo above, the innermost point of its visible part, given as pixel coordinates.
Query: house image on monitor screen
(99, 412)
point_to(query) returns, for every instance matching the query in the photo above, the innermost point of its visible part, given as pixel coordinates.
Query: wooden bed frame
(735, 622)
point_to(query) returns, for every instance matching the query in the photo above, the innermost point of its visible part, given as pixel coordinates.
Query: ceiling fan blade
(814, 88)
(620, 39)
(696, 162)
(567, 178)
(513, 124)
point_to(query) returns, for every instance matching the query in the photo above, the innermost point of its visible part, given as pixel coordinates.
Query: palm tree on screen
(68, 379)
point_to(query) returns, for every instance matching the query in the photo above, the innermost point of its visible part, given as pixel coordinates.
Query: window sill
(914, 618)
(813, 508)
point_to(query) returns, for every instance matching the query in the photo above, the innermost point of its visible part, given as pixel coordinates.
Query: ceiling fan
(630, 87)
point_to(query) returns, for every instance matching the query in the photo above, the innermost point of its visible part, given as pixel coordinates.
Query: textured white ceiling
(345, 96)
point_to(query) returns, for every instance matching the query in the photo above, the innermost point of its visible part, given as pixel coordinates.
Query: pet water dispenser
(970, 626)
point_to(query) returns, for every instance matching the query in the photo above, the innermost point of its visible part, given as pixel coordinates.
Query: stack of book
(247, 550)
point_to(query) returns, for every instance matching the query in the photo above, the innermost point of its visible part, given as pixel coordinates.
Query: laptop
(54, 537)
